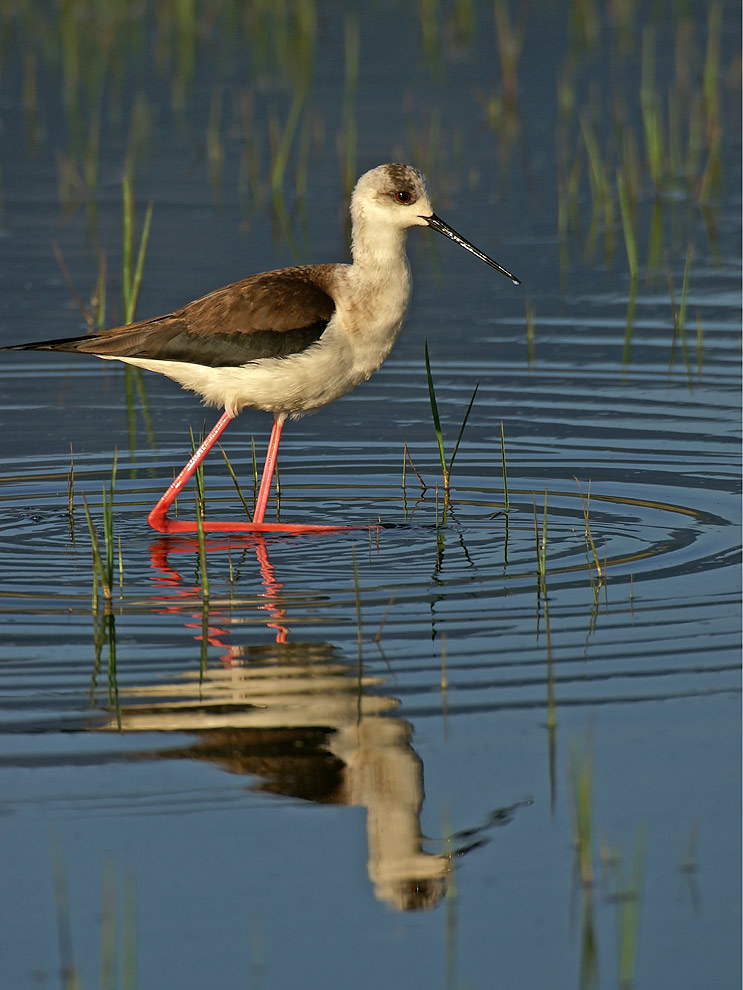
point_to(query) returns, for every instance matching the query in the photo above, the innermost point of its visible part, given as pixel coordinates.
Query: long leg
(268, 469)
(159, 520)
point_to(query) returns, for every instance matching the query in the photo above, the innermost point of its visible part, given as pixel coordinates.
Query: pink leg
(268, 469)
(159, 520)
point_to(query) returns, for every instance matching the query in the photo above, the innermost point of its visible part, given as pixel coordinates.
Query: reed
(349, 129)
(509, 39)
(503, 468)
(628, 898)
(628, 225)
(446, 469)
(236, 483)
(198, 480)
(103, 560)
(581, 770)
(651, 113)
(678, 310)
(407, 459)
(590, 544)
(202, 554)
(71, 488)
(540, 542)
(132, 267)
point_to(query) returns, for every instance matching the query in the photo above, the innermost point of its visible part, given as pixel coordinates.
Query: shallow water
(356, 758)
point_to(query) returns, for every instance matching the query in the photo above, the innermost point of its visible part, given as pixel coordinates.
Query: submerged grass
(628, 897)
(581, 770)
(118, 940)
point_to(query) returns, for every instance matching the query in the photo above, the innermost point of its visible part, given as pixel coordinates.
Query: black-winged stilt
(287, 341)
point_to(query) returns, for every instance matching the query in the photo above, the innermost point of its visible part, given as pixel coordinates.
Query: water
(356, 760)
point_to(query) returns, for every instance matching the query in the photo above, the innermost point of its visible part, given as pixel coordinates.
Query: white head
(393, 197)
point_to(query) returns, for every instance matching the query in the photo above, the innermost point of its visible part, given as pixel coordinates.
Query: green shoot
(628, 226)
(503, 465)
(582, 780)
(198, 479)
(71, 486)
(590, 545)
(628, 914)
(131, 275)
(435, 415)
(202, 547)
(446, 469)
(236, 483)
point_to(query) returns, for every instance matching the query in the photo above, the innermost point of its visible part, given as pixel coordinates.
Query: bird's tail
(117, 342)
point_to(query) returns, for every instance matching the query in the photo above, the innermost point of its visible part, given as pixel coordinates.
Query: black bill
(443, 228)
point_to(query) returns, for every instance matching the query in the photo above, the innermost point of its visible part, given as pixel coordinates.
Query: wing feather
(269, 315)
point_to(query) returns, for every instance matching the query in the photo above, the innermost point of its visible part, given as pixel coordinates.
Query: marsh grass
(540, 541)
(118, 938)
(132, 267)
(506, 500)
(581, 774)
(103, 559)
(71, 489)
(509, 39)
(628, 899)
(236, 483)
(198, 480)
(678, 311)
(664, 145)
(407, 459)
(202, 546)
(348, 138)
(446, 468)
(628, 224)
(588, 535)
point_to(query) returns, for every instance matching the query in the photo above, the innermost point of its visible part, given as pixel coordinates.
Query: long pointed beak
(443, 228)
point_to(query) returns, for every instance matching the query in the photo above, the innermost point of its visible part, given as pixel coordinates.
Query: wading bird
(286, 341)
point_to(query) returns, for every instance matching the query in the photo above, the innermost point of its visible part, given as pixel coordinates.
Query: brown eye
(403, 196)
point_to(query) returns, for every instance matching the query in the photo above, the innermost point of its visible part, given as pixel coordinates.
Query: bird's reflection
(300, 717)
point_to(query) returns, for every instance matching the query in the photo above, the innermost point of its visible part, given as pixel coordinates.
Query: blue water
(339, 768)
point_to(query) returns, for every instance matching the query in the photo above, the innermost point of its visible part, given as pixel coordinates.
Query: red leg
(159, 520)
(268, 469)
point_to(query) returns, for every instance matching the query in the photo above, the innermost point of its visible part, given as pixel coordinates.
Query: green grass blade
(435, 411)
(461, 429)
(236, 483)
(503, 462)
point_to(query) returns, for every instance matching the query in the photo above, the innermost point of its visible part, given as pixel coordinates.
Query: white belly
(290, 385)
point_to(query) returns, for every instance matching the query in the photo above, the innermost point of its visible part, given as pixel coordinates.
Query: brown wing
(269, 315)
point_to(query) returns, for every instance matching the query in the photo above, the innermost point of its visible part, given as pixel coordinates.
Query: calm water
(356, 764)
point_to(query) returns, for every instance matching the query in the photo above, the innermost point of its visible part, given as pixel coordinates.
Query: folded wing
(269, 315)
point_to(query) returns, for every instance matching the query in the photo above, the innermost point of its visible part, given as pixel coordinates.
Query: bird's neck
(378, 250)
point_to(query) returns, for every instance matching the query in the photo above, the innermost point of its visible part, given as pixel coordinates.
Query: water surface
(357, 759)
